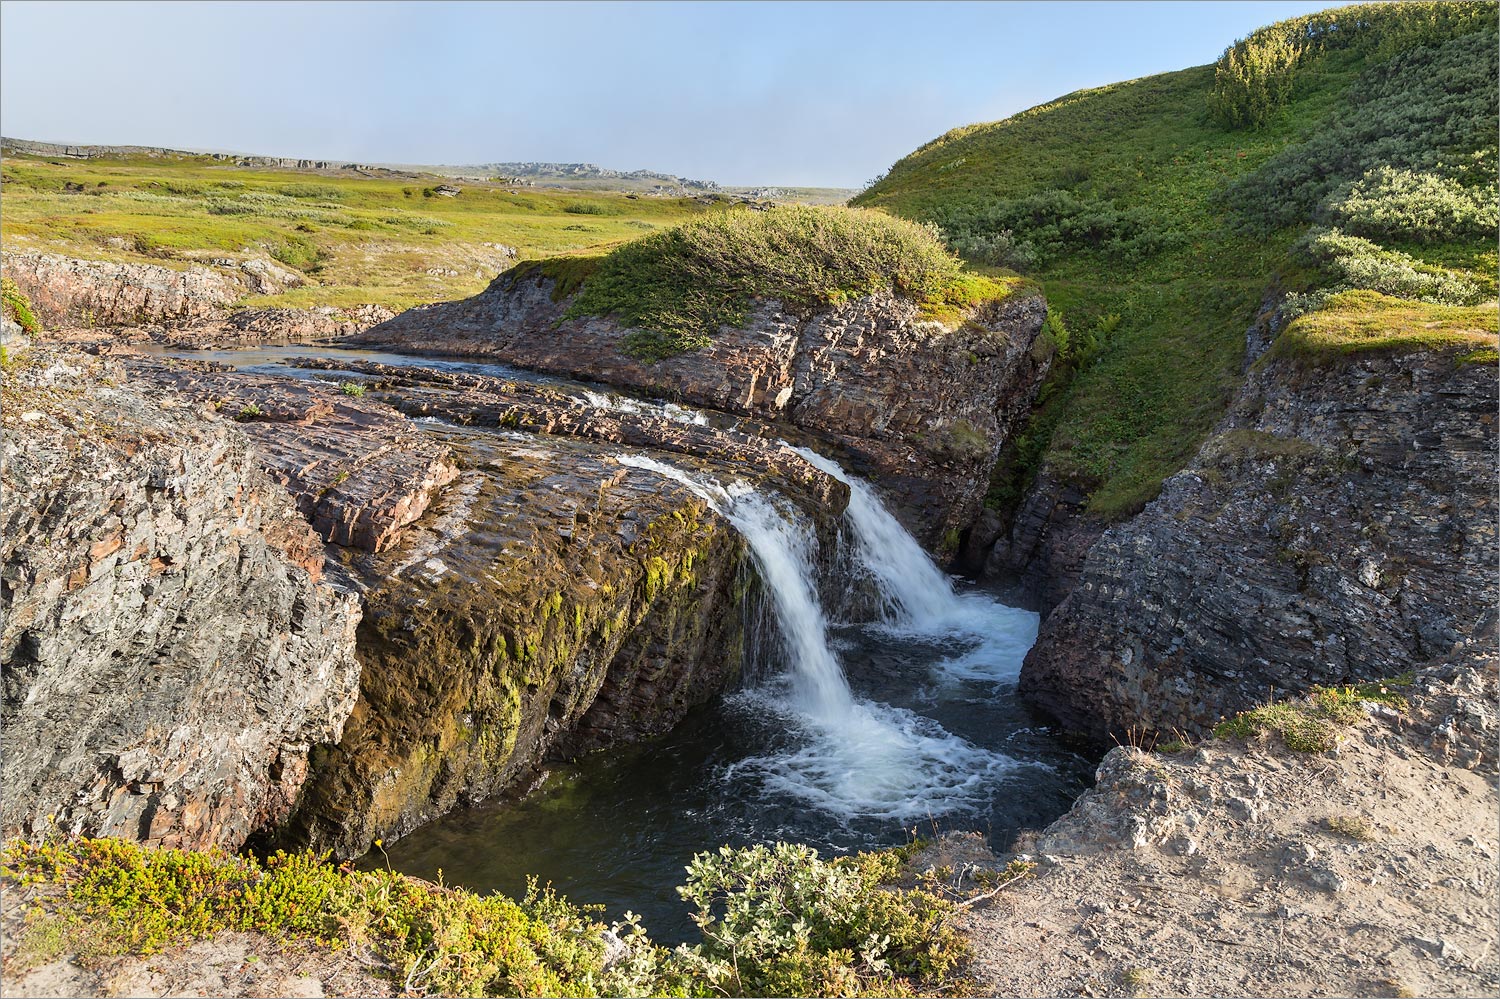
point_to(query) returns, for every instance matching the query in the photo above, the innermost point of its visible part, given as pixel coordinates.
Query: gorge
(1084, 542)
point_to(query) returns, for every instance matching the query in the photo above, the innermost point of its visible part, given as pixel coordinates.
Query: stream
(846, 735)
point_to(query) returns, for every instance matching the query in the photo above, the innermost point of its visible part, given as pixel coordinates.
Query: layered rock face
(67, 292)
(920, 409)
(1340, 527)
(170, 650)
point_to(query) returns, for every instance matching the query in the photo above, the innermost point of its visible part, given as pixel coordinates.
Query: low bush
(1028, 232)
(1354, 262)
(1256, 77)
(776, 920)
(1415, 207)
(1408, 113)
(18, 307)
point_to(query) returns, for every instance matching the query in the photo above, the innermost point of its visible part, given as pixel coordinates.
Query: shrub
(1257, 76)
(1408, 113)
(779, 920)
(354, 389)
(1416, 207)
(18, 307)
(776, 921)
(585, 208)
(678, 287)
(1359, 263)
(1031, 231)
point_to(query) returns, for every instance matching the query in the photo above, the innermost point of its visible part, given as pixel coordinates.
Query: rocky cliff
(921, 409)
(171, 652)
(1339, 527)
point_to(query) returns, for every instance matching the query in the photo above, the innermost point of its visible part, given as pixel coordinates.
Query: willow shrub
(1416, 207)
(1257, 76)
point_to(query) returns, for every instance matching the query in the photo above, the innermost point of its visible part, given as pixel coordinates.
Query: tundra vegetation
(355, 240)
(774, 920)
(677, 287)
(1352, 150)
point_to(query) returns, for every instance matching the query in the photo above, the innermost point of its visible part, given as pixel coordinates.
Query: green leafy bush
(776, 921)
(1256, 77)
(779, 920)
(18, 307)
(354, 389)
(1359, 263)
(1417, 111)
(678, 287)
(1031, 231)
(1417, 207)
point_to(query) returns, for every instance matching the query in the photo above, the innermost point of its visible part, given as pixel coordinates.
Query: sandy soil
(1224, 872)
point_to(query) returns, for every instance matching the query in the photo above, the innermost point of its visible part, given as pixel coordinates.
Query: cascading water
(857, 759)
(918, 601)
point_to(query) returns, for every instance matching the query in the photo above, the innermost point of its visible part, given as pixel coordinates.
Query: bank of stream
(879, 704)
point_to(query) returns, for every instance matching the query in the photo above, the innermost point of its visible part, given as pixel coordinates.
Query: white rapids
(856, 758)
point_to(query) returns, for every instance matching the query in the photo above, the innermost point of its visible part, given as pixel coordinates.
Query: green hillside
(1354, 148)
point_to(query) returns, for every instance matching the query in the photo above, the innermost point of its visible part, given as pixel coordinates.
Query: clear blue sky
(790, 93)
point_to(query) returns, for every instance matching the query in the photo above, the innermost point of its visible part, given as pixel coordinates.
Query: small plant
(1350, 827)
(1137, 981)
(1315, 723)
(354, 389)
(17, 307)
(249, 412)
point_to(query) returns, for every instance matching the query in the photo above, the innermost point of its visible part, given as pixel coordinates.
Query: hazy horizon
(810, 95)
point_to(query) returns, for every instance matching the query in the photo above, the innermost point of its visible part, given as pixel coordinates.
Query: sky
(807, 94)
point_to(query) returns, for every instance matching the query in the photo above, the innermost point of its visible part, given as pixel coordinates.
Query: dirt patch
(1250, 870)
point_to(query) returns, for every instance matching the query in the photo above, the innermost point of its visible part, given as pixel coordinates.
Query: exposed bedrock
(1339, 527)
(919, 408)
(524, 594)
(170, 650)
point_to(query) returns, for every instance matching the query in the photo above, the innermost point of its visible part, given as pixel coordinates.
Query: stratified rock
(94, 293)
(170, 654)
(921, 409)
(358, 471)
(553, 600)
(1340, 528)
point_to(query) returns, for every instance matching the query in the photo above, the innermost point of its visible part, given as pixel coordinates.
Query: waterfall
(851, 758)
(918, 600)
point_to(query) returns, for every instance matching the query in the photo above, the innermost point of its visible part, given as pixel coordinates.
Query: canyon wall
(171, 650)
(920, 409)
(1340, 526)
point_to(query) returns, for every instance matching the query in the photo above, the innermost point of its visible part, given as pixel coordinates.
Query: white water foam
(637, 407)
(856, 759)
(919, 601)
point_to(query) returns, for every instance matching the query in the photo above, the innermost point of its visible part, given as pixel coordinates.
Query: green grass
(1315, 723)
(1134, 201)
(676, 288)
(774, 920)
(1360, 321)
(357, 240)
(18, 307)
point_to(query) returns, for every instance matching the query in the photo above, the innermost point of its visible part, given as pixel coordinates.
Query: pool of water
(618, 828)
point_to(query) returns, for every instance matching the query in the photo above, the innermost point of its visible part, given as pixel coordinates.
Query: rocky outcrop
(554, 601)
(1043, 547)
(921, 409)
(170, 651)
(358, 471)
(1339, 527)
(68, 292)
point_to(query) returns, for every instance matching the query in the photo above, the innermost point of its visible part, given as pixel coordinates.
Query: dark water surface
(618, 827)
